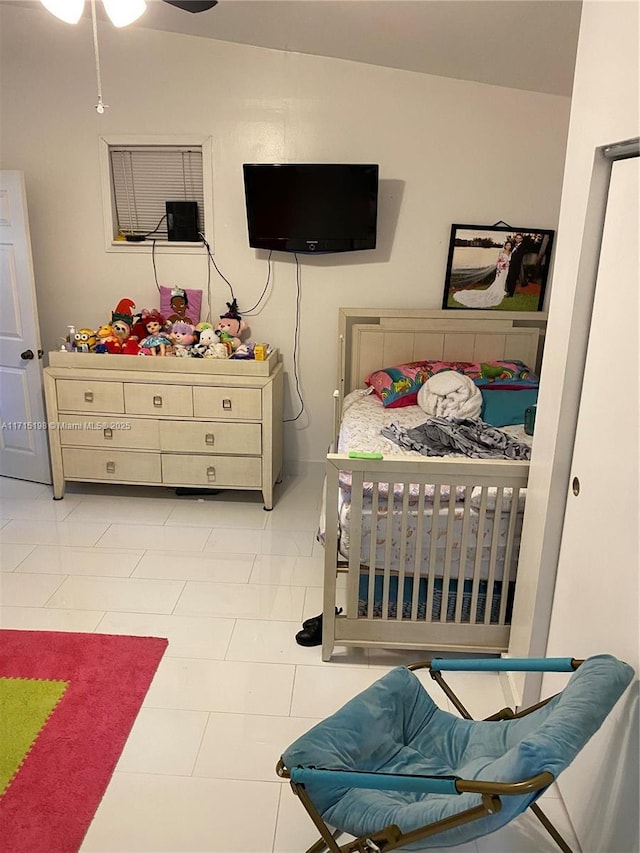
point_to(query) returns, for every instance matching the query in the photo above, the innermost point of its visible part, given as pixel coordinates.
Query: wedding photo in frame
(497, 267)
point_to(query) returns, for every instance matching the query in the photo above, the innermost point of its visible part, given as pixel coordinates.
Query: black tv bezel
(311, 245)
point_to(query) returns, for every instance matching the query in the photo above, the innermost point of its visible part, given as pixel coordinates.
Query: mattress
(363, 418)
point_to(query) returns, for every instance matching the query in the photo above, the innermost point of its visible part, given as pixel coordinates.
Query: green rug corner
(25, 706)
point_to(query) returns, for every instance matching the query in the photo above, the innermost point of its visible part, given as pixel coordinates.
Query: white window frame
(108, 202)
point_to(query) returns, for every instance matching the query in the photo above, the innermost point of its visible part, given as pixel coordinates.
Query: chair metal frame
(391, 837)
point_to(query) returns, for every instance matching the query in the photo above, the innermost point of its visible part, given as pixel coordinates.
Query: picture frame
(484, 274)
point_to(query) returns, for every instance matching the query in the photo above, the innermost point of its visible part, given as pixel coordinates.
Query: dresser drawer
(211, 437)
(76, 395)
(240, 472)
(143, 399)
(107, 432)
(234, 404)
(104, 465)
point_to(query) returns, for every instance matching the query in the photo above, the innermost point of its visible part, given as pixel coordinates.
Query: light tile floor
(228, 584)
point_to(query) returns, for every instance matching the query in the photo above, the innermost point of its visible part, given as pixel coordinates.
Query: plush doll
(122, 320)
(183, 336)
(232, 324)
(130, 347)
(157, 341)
(104, 337)
(225, 340)
(207, 337)
(84, 340)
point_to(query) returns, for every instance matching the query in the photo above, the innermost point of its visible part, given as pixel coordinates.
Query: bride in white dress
(495, 293)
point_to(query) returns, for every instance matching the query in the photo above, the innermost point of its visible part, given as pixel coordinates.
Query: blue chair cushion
(394, 726)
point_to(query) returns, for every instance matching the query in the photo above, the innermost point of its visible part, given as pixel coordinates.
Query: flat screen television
(311, 207)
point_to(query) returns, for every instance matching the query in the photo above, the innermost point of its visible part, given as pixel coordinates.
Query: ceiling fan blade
(193, 5)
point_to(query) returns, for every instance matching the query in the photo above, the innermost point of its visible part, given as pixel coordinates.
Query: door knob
(27, 355)
(40, 353)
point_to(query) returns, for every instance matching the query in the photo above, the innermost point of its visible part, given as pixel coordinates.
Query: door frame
(550, 469)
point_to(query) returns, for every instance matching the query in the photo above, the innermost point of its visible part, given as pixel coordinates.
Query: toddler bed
(429, 544)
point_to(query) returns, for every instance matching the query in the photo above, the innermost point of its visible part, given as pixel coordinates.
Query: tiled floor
(228, 584)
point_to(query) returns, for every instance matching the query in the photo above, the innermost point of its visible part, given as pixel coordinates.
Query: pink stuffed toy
(232, 324)
(183, 336)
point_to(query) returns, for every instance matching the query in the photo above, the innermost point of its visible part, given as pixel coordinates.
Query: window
(139, 175)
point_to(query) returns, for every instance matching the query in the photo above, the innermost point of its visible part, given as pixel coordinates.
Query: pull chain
(100, 106)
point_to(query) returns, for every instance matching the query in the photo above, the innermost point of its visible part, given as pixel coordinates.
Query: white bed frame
(370, 339)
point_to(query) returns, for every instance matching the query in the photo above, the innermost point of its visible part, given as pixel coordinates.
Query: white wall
(605, 109)
(601, 788)
(449, 151)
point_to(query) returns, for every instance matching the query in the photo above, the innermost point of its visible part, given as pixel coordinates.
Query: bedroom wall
(449, 151)
(605, 109)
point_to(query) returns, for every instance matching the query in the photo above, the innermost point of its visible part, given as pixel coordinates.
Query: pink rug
(51, 800)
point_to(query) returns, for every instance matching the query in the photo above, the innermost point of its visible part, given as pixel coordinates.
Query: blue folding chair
(396, 771)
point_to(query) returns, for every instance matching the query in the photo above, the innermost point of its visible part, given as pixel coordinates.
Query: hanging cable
(208, 248)
(153, 261)
(149, 233)
(248, 312)
(296, 339)
(100, 106)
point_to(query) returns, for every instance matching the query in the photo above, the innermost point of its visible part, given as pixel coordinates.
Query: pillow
(192, 309)
(505, 374)
(506, 407)
(399, 386)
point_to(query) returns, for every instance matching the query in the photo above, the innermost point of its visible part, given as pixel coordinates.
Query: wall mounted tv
(311, 207)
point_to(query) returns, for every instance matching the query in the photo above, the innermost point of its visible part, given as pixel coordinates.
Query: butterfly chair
(395, 771)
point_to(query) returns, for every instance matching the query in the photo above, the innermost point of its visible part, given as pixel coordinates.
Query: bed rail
(430, 548)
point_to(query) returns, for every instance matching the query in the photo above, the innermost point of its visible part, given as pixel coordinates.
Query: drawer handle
(111, 467)
(88, 396)
(108, 433)
(211, 474)
(157, 401)
(226, 404)
(209, 438)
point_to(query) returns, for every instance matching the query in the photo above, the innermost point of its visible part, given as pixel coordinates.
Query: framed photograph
(497, 267)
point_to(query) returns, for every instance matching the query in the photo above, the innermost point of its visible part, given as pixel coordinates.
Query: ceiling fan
(193, 5)
(121, 12)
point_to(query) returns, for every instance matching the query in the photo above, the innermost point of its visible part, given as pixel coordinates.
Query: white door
(24, 449)
(595, 607)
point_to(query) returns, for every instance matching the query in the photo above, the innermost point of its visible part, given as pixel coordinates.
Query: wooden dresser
(165, 421)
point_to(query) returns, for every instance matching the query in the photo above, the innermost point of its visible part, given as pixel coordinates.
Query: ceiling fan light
(69, 11)
(124, 12)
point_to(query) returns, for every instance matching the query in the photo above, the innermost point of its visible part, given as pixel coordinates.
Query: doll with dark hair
(179, 305)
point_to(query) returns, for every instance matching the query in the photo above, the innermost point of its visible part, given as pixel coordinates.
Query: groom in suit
(515, 264)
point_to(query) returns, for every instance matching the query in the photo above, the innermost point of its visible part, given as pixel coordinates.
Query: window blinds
(145, 177)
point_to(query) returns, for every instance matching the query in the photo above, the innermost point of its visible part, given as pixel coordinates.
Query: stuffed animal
(207, 337)
(225, 340)
(122, 320)
(84, 340)
(232, 324)
(183, 336)
(105, 336)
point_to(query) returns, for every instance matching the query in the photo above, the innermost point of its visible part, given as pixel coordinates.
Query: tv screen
(311, 207)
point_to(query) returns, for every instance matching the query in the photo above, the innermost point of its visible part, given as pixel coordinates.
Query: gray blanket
(469, 437)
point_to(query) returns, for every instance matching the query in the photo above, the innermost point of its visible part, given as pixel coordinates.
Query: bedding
(450, 394)
(471, 437)
(506, 407)
(398, 386)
